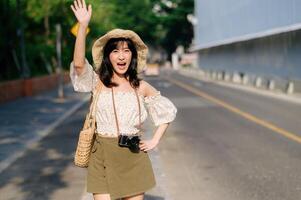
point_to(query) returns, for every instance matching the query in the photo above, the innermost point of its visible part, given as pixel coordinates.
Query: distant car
(152, 70)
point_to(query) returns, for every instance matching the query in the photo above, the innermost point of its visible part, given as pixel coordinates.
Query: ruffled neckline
(121, 93)
(146, 99)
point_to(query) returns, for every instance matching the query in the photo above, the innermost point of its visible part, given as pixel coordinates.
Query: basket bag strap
(90, 118)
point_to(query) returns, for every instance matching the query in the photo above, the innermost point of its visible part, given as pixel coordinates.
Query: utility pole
(20, 33)
(59, 61)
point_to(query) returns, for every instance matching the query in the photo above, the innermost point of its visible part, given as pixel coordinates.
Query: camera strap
(115, 113)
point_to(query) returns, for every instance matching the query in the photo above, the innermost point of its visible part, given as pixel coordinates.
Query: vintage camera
(131, 142)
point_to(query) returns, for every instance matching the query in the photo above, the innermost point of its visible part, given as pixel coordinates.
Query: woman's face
(120, 58)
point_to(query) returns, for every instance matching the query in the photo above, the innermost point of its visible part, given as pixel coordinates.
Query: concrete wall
(274, 56)
(258, 37)
(10, 90)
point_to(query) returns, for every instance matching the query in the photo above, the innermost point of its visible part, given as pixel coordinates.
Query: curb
(276, 95)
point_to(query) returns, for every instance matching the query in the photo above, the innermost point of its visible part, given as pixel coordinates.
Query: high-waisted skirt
(117, 171)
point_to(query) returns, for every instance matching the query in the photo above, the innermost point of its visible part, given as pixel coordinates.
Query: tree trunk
(46, 26)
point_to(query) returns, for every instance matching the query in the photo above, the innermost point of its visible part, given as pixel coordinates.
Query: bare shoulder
(147, 89)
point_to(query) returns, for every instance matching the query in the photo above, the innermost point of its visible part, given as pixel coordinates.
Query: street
(213, 153)
(224, 144)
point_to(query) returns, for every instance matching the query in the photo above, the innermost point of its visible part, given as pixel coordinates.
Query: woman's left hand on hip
(147, 145)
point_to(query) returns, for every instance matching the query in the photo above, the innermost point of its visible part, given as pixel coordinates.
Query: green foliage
(37, 9)
(8, 36)
(138, 15)
(179, 31)
(166, 27)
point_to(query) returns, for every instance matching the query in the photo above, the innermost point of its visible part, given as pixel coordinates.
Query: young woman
(116, 171)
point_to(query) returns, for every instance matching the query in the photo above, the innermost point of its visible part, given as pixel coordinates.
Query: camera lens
(134, 143)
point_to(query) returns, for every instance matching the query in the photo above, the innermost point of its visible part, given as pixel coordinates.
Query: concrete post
(245, 79)
(59, 61)
(219, 76)
(236, 78)
(175, 61)
(271, 84)
(227, 77)
(213, 75)
(258, 81)
(290, 88)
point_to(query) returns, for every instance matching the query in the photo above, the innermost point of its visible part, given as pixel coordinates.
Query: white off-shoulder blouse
(160, 108)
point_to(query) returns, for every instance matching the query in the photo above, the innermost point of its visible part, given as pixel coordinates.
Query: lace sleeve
(85, 82)
(160, 108)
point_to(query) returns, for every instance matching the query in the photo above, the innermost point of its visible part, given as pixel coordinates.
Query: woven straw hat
(98, 46)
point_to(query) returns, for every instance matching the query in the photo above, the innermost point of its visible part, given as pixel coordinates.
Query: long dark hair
(106, 69)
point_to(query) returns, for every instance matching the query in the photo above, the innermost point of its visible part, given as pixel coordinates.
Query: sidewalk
(25, 121)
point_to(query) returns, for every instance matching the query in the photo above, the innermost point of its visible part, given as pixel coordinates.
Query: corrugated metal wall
(274, 55)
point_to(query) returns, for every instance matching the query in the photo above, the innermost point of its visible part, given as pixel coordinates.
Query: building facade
(257, 37)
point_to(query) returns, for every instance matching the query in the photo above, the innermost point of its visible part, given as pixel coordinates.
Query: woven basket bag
(87, 134)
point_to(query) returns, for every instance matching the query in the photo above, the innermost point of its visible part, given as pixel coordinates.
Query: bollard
(236, 78)
(290, 88)
(245, 79)
(214, 75)
(219, 76)
(226, 77)
(223, 75)
(258, 82)
(271, 84)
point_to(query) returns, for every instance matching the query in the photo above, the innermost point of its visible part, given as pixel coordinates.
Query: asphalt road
(209, 152)
(213, 153)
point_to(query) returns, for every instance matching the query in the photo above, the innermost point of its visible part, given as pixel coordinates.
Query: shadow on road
(40, 171)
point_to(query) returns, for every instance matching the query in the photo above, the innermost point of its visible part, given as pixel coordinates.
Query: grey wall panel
(219, 20)
(274, 56)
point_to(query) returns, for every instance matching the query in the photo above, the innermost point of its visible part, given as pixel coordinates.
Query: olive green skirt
(117, 171)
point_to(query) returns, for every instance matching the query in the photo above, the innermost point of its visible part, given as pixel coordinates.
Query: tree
(177, 29)
(161, 24)
(10, 64)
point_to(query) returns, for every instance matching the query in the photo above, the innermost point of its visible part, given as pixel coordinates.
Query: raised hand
(81, 12)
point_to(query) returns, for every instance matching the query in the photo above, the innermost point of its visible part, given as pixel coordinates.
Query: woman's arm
(147, 145)
(159, 132)
(83, 15)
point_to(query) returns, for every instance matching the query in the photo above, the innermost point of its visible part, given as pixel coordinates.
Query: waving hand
(81, 11)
